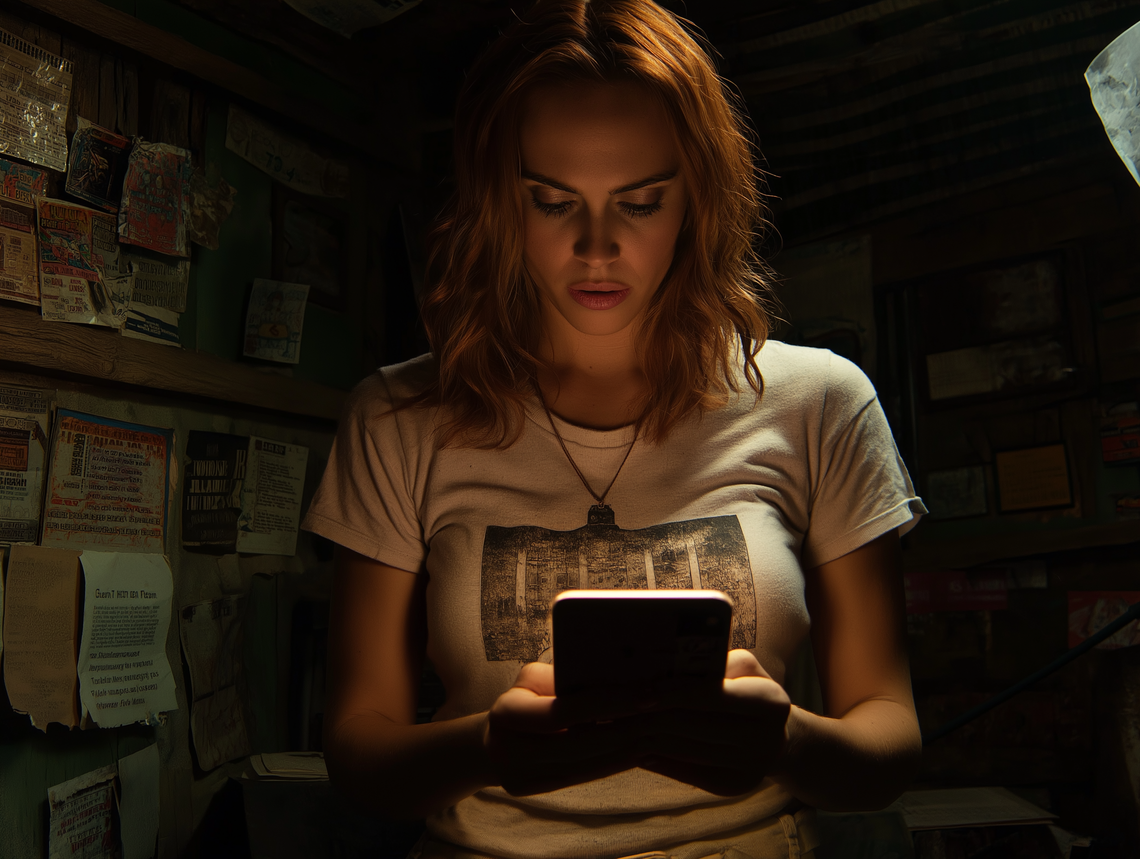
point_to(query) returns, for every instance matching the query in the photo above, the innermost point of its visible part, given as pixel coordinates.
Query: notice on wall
(35, 90)
(155, 206)
(21, 183)
(211, 489)
(97, 165)
(82, 816)
(274, 320)
(107, 485)
(159, 282)
(19, 262)
(25, 425)
(124, 676)
(65, 239)
(152, 324)
(286, 158)
(211, 642)
(41, 625)
(271, 497)
(103, 302)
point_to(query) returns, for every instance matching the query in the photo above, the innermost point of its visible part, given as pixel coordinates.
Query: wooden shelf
(29, 344)
(960, 553)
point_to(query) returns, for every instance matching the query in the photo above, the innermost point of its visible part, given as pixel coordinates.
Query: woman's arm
(864, 753)
(375, 751)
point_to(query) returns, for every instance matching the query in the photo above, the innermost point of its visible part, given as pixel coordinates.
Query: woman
(598, 322)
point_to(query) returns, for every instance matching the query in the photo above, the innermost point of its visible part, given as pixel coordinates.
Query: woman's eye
(640, 210)
(554, 209)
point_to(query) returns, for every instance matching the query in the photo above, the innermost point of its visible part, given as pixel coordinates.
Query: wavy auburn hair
(481, 308)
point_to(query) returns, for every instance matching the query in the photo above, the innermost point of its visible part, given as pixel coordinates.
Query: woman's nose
(596, 245)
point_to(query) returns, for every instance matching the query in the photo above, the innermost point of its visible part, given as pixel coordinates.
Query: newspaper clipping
(25, 421)
(107, 485)
(19, 272)
(271, 497)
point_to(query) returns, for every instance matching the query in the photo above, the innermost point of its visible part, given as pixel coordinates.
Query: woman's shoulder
(809, 368)
(392, 385)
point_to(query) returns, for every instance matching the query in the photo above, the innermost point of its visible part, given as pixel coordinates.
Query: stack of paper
(972, 806)
(290, 766)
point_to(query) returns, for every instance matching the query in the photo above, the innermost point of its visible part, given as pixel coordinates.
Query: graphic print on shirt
(525, 567)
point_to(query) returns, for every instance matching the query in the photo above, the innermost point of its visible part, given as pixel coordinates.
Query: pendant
(600, 514)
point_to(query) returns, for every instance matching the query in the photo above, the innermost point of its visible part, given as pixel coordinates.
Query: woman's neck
(595, 382)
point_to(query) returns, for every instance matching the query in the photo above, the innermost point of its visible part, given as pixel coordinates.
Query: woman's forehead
(586, 126)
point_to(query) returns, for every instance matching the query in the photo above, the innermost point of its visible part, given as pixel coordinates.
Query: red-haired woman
(598, 323)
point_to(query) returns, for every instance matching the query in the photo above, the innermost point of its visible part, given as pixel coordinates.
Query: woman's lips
(599, 296)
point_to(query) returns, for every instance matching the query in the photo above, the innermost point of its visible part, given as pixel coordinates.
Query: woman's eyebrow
(632, 186)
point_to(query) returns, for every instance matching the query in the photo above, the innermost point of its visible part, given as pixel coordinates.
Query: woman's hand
(724, 742)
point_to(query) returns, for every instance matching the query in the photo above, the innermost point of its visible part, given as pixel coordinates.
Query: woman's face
(603, 202)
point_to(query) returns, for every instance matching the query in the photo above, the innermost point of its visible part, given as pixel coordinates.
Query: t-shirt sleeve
(861, 488)
(365, 501)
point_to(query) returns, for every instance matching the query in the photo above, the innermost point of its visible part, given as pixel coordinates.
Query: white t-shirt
(742, 499)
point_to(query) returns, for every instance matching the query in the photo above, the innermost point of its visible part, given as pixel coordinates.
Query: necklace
(599, 513)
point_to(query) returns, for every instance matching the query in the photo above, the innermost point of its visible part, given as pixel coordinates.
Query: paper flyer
(124, 676)
(97, 165)
(211, 201)
(41, 624)
(19, 263)
(159, 282)
(152, 324)
(65, 239)
(107, 485)
(271, 497)
(82, 816)
(286, 158)
(211, 643)
(211, 489)
(155, 205)
(274, 320)
(25, 426)
(35, 90)
(73, 299)
(21, 183)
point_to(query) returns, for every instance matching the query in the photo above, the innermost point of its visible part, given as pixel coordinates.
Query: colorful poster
(35, 90)
(82, 816)
(155, 205)
(72, 299)
(65, 239)
(19, 264)
(25, 422)
(21, 183)
(97, 165)
(274, 320)
(107, 485)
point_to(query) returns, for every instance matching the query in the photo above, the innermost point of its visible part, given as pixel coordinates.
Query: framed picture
(310, 246)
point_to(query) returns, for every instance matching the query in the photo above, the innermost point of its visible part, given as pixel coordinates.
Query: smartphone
(627, 639)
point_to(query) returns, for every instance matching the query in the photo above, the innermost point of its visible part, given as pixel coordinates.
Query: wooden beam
(129, 32)
(29, 344)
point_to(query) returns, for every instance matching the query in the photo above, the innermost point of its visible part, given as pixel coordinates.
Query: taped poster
(65, 239)
(19, 263)
(21, 183)
(159, 282)
(82, 816)
(25, 425)
(274, 320)
(124, 676)
(286, 158)
(35, 90)
(97, 165)
(155, 205)
(107, 485)
(41, 629)
(271, 497)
